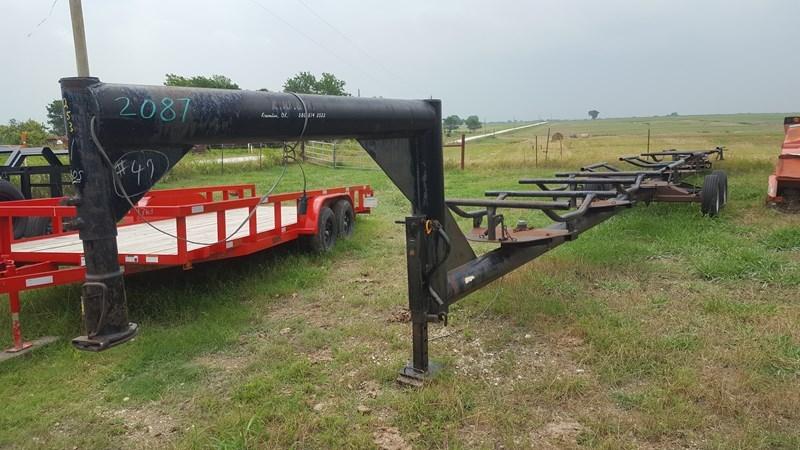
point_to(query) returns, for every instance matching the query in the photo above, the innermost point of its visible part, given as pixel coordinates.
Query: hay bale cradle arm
(141, 132)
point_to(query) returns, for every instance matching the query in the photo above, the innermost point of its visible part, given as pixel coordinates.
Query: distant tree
(451, 123)
(593, 114)
(307, 83)
(11, 134)
(263, 90)
(328, 84)
(55, 118)
(674, 114)
(473, 123)
(199, 81)
(556, 137)
(302, 83)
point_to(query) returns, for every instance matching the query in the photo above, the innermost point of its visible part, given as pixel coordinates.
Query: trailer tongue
(784, 184)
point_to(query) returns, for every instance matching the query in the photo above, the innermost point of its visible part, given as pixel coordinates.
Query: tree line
(451, 123)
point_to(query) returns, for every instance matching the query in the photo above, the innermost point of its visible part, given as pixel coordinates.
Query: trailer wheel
(345, 217)
(325, 237)
(38, 226)
(8, 192)
(723, 181)
(710, 198)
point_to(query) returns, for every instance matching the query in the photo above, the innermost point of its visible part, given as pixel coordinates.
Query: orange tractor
(784, 184)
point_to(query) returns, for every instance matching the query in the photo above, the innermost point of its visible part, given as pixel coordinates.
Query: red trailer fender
(362, 201)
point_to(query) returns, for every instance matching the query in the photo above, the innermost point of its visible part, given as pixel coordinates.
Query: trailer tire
(710, 198)
(723, 181)
(37, 226)
(345, 217)
(324, 239)
(9, 192)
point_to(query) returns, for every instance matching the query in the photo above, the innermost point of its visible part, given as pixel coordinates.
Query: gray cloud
(503, 59)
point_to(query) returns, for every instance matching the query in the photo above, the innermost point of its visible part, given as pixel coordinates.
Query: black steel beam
(490, 266)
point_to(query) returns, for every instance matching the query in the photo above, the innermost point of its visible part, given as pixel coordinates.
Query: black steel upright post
(427, 275)
(104, 306)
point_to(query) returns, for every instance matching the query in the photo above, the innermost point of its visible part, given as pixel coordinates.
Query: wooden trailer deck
(141, 238)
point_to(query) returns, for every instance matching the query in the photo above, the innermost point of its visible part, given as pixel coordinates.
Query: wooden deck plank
(141, 238)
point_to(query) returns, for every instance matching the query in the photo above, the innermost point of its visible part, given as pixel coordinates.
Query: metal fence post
(547, 145)
(463, 143)
(334, 153)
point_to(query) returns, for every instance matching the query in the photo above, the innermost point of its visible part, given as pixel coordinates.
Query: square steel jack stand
(411, 377)
(104, 342)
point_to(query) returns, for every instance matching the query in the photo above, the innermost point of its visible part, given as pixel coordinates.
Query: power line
(41, 22)
(347, 38)
(319, 44)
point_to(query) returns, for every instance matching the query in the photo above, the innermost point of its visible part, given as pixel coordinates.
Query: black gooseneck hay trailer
(110, 122)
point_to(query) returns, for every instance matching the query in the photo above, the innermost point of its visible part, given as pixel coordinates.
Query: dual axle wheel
(714, 194)
(332, 223)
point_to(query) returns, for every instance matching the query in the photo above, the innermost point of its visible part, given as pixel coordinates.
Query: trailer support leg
(419, 300)
(14, 307)
(16, 328)
(105, 309)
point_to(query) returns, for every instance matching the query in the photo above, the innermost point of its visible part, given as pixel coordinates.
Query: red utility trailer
(173, 227)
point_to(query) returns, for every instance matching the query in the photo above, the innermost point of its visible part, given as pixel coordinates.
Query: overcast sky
(497, 59)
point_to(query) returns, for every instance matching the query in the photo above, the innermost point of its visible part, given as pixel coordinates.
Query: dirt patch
(389, 438)
(146, 427)
(557, 433)
(321, 356)
(400, 315)
(370, 388)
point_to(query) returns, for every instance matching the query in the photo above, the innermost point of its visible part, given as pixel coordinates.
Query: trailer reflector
(38, 281)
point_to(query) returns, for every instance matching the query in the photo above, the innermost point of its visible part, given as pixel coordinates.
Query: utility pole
(79, 37)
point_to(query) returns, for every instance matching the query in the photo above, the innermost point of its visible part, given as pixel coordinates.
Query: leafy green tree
(11, 134)
(307, 83)
(451, 123)
(199, 81)
(473, 123)
(55, 117)
(593, 114)
(302, 83)
(328, 84)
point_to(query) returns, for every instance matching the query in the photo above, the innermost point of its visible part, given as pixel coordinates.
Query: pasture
(657, 329)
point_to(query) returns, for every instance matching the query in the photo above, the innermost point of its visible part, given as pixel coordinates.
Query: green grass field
(657, 329)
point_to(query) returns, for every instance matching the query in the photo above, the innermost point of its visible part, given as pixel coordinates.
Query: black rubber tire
(345, 218)
(38, 226)
(325, 237)
(9, 192)
(723, 189)
(710, 198)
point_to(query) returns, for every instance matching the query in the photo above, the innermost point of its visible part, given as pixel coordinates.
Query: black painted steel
(105, 311)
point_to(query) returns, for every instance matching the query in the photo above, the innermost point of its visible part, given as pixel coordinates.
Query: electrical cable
(50, 13)
(262, 200)
(314, 41)
(347, 38)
